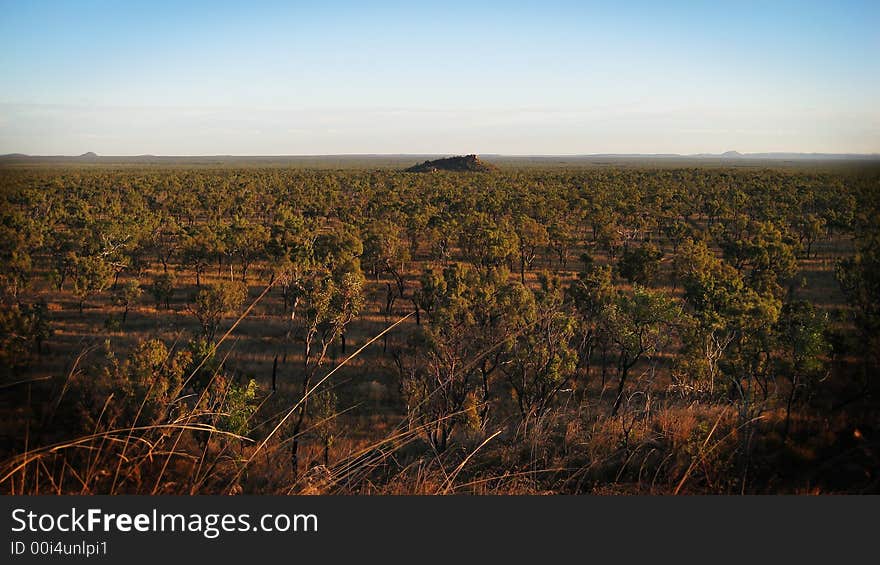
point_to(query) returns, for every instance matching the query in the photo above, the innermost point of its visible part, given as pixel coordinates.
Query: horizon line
(729, 154)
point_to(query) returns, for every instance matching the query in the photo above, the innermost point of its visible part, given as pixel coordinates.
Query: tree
(199, 246)
(677, 230)
(246, 241)
(239, 403)
(328, 302)
(323, 411)
(15, 261)
(859, 278)
(727, 313)
(639, 324)
(162, 289)
(486, 242)
(338, 246)
(165, 240)
(441, 239)
(590, 294)
(386, 249)
(532, 236)
(562, 239)
(23, 330)
(91, 275)
(212, 303)
(143, 386)
(432, 286)
(15, 270)
(810, 228)
(763, 252)
(641, 264)
(19, 236)
(801, 331)
(291, 251)
(127, 296)
(541, 359)
(470, 316)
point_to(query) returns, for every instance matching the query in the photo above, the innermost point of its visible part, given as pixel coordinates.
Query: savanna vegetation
(269, 329)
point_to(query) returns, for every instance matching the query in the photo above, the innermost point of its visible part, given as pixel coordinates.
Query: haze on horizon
(291, 78)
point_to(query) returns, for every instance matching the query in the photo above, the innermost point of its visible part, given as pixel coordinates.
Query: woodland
(602, 329)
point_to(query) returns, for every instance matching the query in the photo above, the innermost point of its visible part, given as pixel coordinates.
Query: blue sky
(263, 78)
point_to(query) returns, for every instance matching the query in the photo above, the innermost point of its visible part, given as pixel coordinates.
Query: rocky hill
(460, 164)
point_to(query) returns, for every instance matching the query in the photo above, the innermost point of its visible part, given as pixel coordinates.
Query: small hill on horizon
(460, 164)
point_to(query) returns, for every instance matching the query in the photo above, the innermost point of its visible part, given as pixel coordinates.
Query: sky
(443, 77)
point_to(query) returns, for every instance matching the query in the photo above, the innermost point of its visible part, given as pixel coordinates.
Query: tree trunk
(604, 365)
(791, 395)
(623, 374)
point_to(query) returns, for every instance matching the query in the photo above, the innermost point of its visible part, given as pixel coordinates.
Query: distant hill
(460, 164)
(89, 155)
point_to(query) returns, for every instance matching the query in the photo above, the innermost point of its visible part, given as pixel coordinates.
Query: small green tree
(470, 316)
(532, 237)
(238, 408)
(541, 359)
(639, 325)
(23, 330)
(163, 289)
(640, 265)
(212, 303)
(810, 228)
(199, 247)
(91, 276)
(328, 302)
(142, 387)
(127, 296)
(590, 293)
(486, 242)
(859, 278)
(562, 238)
(801, 334)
